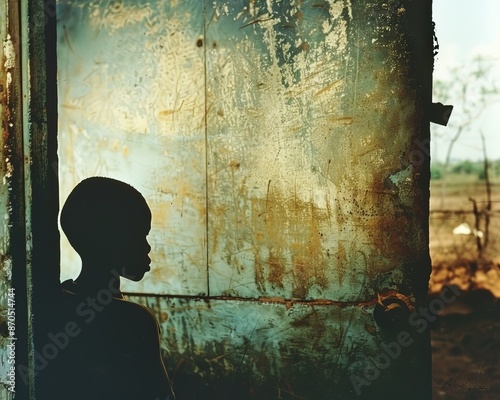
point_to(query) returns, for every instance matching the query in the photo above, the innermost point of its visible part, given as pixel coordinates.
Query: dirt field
(466, 340)
(466, 349)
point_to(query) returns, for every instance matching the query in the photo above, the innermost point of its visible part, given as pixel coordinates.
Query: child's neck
(92, 283)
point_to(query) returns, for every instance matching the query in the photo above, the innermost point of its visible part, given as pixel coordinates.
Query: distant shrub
(436, 171)
(463, 167)
(496, 167)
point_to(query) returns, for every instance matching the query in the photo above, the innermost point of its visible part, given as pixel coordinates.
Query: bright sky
(465, 29)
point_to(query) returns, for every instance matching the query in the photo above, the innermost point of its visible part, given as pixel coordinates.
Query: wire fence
(465, 246)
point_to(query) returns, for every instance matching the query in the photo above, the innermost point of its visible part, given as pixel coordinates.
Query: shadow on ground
(466, 348)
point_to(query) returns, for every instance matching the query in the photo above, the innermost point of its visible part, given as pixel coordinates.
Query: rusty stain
(389, 235)
(328, 87)
(326, 238)
(292, 232)
(408, 300)
(259, 273)
(276, 270)
(166, 113)
(371, 329)
(234, 165)
(267, 198)
(341, 120)
(302, 274)
(287, 302)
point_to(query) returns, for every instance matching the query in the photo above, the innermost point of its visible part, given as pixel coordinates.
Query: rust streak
(255, 21)
(328, 87)
(281, 300)
(166, 113)
(341, 120)
(267, 198)
(324, 302)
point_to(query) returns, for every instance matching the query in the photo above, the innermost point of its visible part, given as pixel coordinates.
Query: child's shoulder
(135, 309)
(107, 306)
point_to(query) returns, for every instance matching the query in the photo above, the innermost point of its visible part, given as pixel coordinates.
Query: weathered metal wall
(279, 145)
(14, 299)
(272, 349)
(306, 199)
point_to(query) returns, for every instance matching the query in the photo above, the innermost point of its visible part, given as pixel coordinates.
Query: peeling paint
(316, 147)
(272, 142)
(9, 54)
(404, 181)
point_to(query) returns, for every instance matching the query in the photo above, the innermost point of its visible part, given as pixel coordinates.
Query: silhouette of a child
(109, 348)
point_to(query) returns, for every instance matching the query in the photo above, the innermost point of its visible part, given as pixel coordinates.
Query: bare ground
(466, 336)
(466, 349)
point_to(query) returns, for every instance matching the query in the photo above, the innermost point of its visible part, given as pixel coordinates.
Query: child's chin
(134, 276)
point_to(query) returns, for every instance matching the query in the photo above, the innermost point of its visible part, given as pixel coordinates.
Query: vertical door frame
(29, 164)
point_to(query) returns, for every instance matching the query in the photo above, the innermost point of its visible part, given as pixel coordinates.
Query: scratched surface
(279, 144)
(132, 107)
(304, 196)
(219, 349)
(311, 119)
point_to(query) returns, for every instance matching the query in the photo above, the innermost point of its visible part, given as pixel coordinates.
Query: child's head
(107, 222)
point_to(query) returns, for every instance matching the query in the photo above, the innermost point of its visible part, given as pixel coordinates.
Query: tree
(471, 89)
